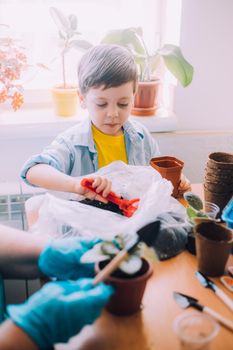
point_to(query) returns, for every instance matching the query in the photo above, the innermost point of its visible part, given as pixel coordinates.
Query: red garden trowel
(128, 207)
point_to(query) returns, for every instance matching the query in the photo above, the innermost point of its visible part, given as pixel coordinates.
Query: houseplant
(198, 212)
(150, 66)
(13, 61)
(129, 279)
(65, 95)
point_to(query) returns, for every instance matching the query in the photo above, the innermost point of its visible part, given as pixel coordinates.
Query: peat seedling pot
(129, 288)
(213, 246)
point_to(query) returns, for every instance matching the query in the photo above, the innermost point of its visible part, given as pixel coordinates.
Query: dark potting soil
(121, 274)
(106, 206)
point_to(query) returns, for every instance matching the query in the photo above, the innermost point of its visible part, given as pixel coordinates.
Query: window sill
(41, 122)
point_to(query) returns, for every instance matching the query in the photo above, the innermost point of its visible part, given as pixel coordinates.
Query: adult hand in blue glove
(60, 310)
(61, 259)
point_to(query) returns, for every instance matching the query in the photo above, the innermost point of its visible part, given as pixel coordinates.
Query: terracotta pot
(213, 247)
(170, 168)
(220, 160)
(129, 289)
(220, 199)
(145, 100)
(65, 100)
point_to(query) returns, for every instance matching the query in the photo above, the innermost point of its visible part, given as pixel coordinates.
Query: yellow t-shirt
(109, 148)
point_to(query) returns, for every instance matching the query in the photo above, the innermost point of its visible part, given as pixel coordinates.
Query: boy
(107, 82)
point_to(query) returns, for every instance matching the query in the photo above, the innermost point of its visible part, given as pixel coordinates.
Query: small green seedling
(195, 209)
(107, 250)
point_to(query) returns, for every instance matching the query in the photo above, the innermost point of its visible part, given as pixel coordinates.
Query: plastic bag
(64, 217)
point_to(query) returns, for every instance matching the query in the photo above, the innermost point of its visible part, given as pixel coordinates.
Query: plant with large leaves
(107, 250)
(70, 36)
(171, 55)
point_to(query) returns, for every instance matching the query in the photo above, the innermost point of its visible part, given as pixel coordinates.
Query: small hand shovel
(186, 301)
(146, 234)
(128, 207)
(207, 283)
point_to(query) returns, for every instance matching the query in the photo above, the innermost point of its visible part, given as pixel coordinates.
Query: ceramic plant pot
(145, 100)
(170, 168)
(129, 289)
(213, 247)
(65, 101)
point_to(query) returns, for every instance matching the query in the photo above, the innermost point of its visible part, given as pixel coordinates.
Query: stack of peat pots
(218, 182)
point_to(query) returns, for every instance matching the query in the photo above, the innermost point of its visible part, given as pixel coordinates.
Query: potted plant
(13, 62)
(198, 212)
(150, 66)
(65, 95)
(131, 276)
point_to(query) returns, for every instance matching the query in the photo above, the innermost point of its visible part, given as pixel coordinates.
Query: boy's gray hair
(108, 66)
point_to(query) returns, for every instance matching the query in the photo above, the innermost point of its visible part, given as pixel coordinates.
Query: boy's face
(110, 108)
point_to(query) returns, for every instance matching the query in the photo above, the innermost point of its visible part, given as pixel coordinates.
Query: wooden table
(151, 328)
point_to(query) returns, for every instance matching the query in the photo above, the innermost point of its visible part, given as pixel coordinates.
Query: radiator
(12, 213)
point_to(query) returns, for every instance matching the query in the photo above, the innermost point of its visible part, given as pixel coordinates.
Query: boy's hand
(184, 186)
(100, 185)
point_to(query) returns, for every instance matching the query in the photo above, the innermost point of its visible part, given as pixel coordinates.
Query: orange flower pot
(145, 100)
(170, 168)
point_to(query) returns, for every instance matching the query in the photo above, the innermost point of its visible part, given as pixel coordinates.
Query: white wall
(207, 42)
(193, 148)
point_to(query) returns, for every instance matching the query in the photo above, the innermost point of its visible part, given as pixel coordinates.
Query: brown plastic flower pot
(220, 160)
(129, 289)
(213, 247)
(169, 168)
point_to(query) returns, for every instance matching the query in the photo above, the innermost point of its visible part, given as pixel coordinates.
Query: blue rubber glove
(60, 310)
(61, 259)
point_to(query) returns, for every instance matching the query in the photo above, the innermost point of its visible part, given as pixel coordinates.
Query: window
(31, 21)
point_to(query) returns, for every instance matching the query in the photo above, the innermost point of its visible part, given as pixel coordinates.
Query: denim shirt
(73, 152)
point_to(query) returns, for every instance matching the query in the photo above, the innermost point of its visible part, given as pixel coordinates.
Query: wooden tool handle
(224, 321)
(112, 266)
(225, 298)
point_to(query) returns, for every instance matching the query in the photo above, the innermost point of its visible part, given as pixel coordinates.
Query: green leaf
(191, 212)
(193, 200)
(201, 214)
(80, 44)
(128, 37)
(73, 22)
(109, 248)
(94, 255)
(176, 63)
(131, 265)
(61, 21)
(154, 62)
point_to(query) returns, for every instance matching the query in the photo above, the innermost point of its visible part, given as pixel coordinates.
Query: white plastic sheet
(59, 216)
